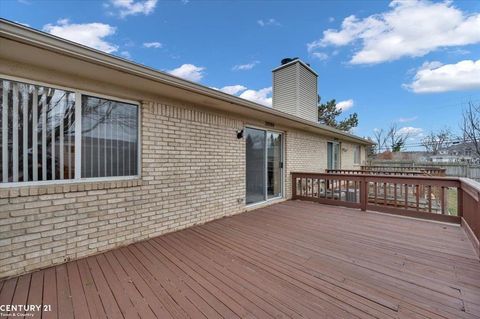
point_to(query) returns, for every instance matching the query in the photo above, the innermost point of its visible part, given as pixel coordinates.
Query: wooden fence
(430, 197)
(424, 170)
(376, 172)
(467, 170)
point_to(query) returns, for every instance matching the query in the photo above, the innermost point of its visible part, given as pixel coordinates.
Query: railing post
(363, 194)
(294, 186)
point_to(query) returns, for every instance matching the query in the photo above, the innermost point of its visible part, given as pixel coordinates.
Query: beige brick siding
(304, 152)
(193, 171)
(347, 157)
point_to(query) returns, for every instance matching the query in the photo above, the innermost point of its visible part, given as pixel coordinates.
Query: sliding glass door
(263, 165)
(333, 155)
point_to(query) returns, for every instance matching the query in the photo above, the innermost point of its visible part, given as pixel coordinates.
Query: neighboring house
(98, 152)
(444, 159)
(457, 152)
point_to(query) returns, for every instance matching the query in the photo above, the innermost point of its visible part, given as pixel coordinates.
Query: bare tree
(380, 138)
(436, 140)
(396, 138)
(471, 125)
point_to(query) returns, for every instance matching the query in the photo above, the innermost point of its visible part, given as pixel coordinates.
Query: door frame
(282, 160)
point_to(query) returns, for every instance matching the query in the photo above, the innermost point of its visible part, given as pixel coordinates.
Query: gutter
(23, 34)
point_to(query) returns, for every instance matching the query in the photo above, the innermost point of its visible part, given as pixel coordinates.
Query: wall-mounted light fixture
(239, 134)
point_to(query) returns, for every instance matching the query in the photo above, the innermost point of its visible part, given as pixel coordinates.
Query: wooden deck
(290, 260)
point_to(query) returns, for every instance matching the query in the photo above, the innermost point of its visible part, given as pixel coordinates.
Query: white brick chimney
(295, 89)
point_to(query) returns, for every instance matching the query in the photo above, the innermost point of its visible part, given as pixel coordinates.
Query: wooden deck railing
(446, 199)
(356, 171)
(431, 171)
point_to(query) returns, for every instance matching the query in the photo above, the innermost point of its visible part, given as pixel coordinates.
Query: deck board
(289, 260)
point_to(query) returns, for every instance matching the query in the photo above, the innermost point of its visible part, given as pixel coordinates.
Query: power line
(420, 144)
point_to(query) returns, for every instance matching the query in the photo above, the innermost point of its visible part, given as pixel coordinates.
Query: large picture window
(43, 131)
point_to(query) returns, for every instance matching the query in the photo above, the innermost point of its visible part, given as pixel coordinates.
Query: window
(357, 155)
(109, 138)
(44, 130)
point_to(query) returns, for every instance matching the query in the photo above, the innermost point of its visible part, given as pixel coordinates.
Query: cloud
(409, 29)
(268, 22)
(132, 7)
(262, 96)
(434, 77)
(126, 55)
(345, 105)
(232, 89)
(245, 67)
(320, 55)
(90, 34)
(409, 130)
(407, 119)
(155, 45)
(189, 72)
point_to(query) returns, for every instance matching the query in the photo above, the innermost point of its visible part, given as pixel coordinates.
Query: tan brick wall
(193, 171)
(347, 157)
(304, 152)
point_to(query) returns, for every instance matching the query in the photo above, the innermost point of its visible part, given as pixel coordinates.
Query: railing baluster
(417, 197)
(429, 198)
(395, 194)
(442, 199)
(385, 193)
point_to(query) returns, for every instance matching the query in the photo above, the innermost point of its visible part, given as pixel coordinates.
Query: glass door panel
(330, 155)
(274, 164)
(336, 155)
(255, 165)
(333, 155)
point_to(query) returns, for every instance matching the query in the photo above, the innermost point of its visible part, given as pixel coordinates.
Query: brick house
(99, 152)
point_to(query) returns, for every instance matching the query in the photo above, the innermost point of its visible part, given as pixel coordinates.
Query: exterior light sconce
(239, 134)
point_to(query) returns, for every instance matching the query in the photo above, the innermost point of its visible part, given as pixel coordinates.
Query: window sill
(59, 187)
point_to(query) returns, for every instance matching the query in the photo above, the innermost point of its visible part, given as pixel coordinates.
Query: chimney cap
(289, 61)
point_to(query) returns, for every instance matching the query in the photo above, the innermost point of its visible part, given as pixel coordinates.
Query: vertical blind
(37, 127)
(109, 138)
